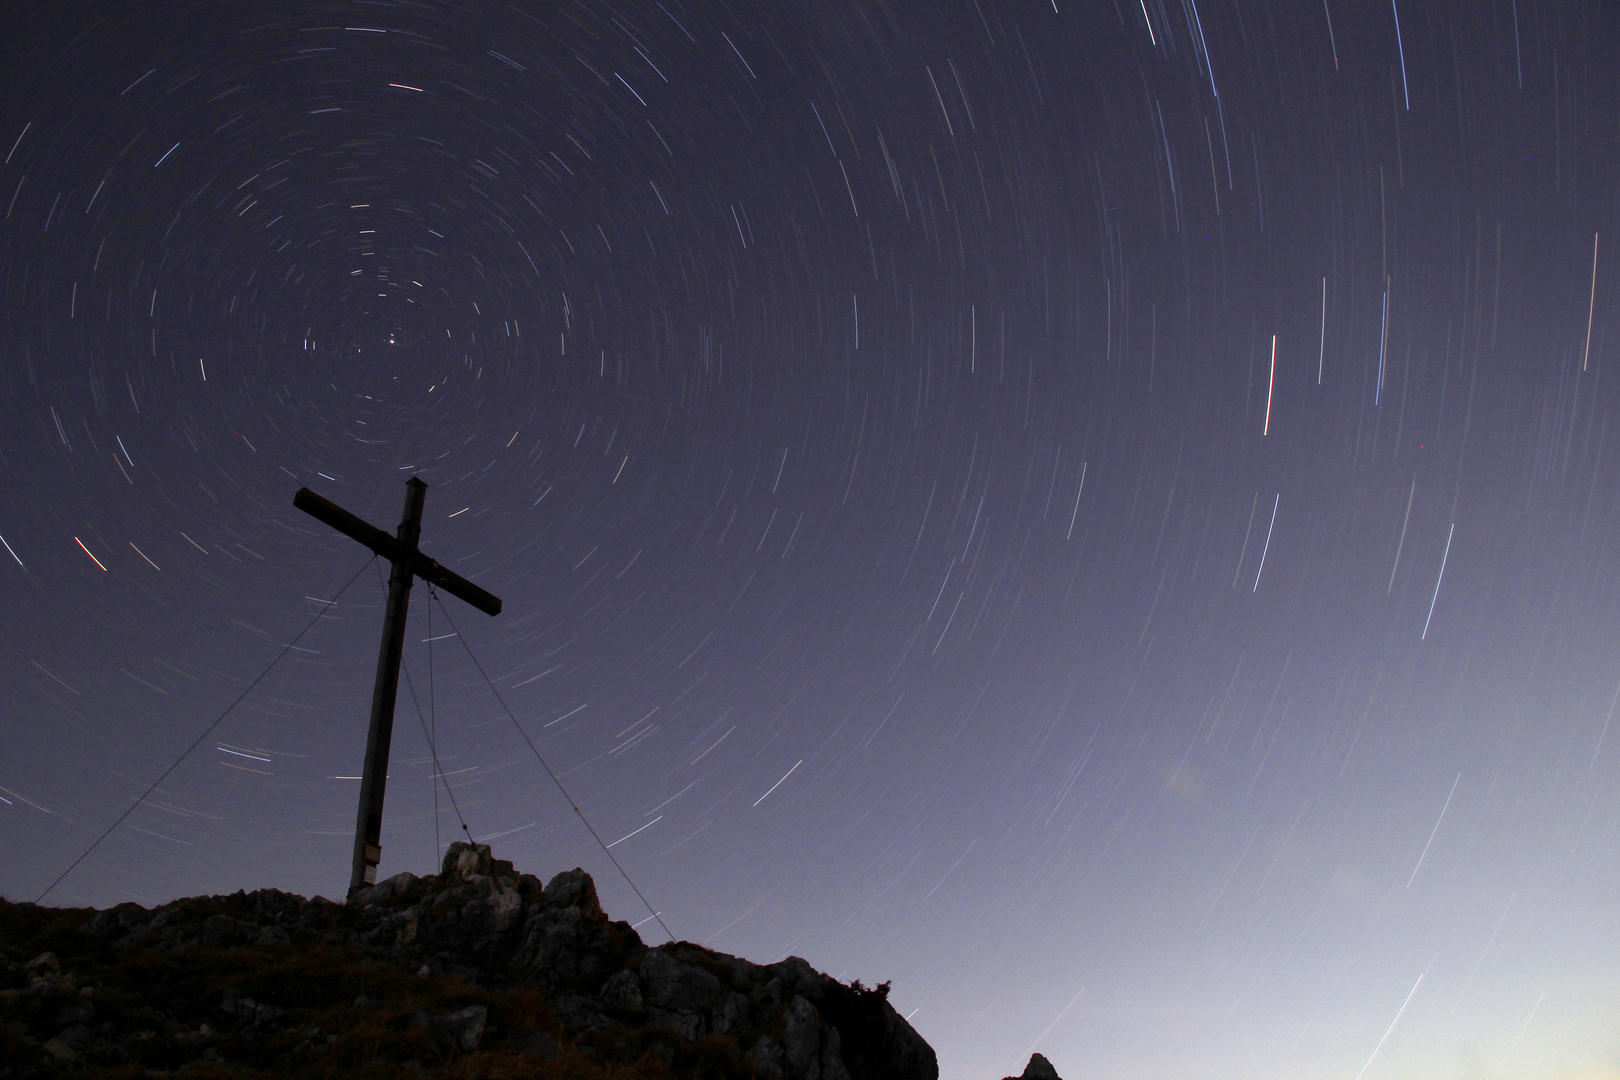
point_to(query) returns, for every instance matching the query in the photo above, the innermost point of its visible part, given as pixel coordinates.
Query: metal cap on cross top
(408, 564)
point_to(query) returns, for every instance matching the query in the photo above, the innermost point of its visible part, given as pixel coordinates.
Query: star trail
(939, 463)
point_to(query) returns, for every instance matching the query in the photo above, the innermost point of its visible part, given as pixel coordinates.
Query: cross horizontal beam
(323, 509)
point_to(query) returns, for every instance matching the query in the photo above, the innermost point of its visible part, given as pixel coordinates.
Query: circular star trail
(1100, 514)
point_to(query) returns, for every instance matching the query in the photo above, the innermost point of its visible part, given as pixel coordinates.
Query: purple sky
(1099, 513)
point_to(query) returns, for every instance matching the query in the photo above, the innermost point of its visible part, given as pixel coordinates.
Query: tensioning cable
(206, 732)
(538, 757)
(431, 737)
(433, 749)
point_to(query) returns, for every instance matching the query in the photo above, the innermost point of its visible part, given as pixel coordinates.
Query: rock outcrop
(1037, 1069)
(476, 971)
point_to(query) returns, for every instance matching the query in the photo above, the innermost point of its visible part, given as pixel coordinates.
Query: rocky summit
(478, 971)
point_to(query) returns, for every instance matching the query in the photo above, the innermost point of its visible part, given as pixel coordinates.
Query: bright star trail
(866, 415)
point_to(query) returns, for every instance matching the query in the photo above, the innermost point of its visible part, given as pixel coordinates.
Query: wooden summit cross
(408, 564)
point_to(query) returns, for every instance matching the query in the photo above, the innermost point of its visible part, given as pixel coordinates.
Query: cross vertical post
(408, 563)
(380, 734)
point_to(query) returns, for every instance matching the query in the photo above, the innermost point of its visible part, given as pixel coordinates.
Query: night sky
(1099, 513)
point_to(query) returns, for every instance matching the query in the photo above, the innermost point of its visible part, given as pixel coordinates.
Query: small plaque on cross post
(408, 564)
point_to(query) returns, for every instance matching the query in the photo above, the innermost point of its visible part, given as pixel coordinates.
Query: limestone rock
(668, 983)
(622, 994)
(428, 959)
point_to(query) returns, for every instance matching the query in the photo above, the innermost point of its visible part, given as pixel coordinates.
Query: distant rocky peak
(1037, 1069)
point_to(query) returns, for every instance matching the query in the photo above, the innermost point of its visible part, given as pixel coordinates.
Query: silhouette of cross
(408, 565)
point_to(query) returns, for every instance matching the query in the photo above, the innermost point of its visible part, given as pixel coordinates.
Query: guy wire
(581, 814)
(206, 731)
